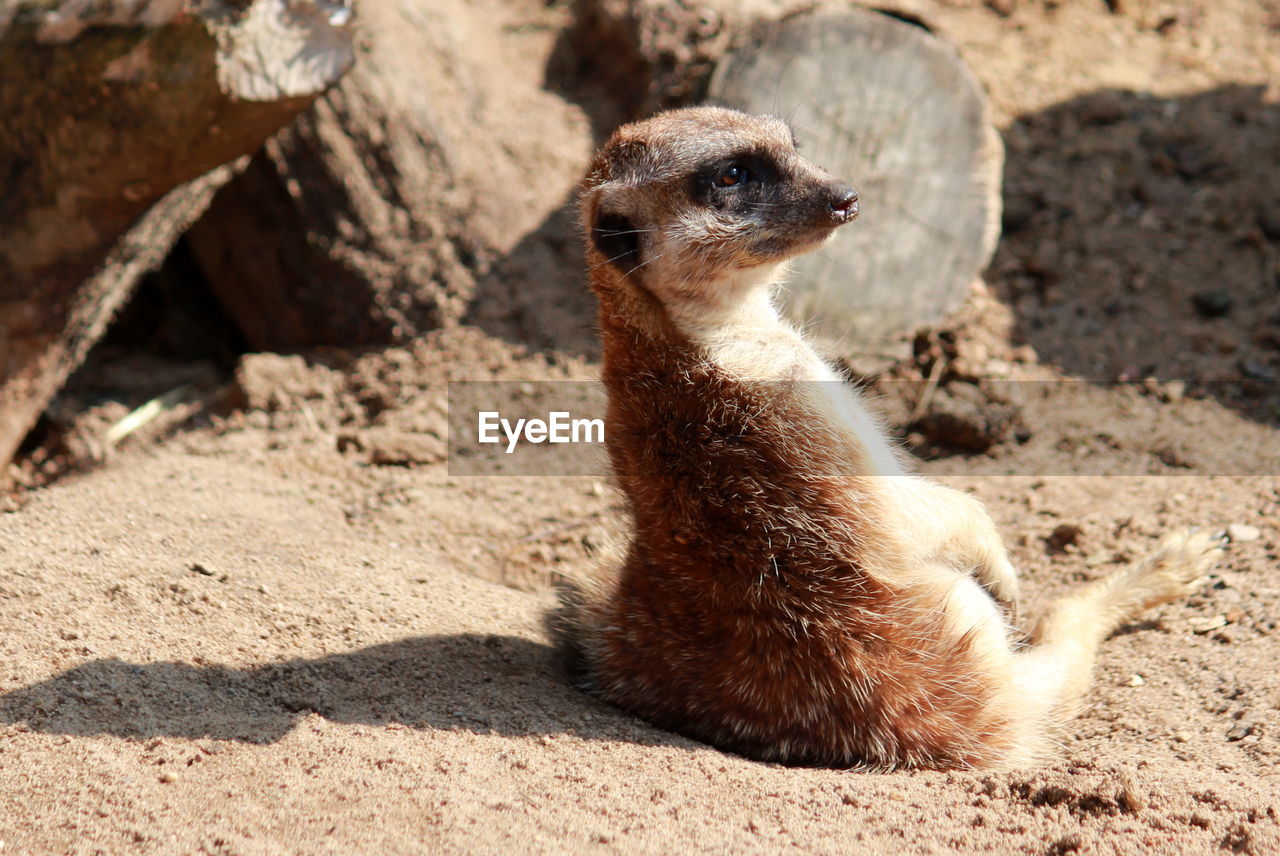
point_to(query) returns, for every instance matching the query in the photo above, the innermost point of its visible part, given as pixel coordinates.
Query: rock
(1129, 798)
(1202, 626)
(1241, 533)
(1242, 729)
(1269, 220)
(402, 449)
(1257, 371)
(1213, 304)
(1024, 354)
(1063, 535)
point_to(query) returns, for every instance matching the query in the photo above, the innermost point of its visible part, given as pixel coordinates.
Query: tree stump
(893, 109)
(105, 108)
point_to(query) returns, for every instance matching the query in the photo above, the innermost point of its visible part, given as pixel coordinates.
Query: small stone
(1213, 304)
(1257, 371)
(1240, 730)
(202, 569)
(1207, 625)
(1174, 391)
(391, 448)
(1136, 681)
(1269, 220)
(1003, 8)
(1070, 843)
(1240, 533)
(1062, 536)
(1129, 798)
(1182, 737)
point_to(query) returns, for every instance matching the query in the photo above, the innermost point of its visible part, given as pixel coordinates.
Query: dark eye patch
(745, 173)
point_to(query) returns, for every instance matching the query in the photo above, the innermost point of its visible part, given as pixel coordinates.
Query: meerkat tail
(1055, 670)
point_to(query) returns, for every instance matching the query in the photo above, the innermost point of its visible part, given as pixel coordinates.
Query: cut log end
(892, 108)
(279, 50)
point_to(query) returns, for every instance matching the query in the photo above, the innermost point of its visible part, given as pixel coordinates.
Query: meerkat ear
(617, 240)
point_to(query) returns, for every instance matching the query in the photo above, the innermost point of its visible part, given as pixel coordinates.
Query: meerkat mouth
(777, 243)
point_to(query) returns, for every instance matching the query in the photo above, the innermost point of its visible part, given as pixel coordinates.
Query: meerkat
(790, 592)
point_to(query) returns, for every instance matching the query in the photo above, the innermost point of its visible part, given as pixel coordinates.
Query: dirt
(272, 621)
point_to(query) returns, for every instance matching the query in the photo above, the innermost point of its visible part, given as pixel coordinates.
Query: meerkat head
(698, 205)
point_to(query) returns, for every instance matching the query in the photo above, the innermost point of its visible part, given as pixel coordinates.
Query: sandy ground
(247, 644)
(282, 626)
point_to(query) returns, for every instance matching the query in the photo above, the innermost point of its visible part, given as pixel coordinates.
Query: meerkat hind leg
(1055, 670)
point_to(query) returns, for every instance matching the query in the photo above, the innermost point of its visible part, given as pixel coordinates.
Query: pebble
(1269, 220)
(1129, 797)
(1241, 730)
(1136, 681)
(1204, 625)
(1062, 536)
(1239, 533)
(1257, 371)
(1213, 304)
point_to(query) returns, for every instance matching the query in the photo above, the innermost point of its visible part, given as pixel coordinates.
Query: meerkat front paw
(1000, 580)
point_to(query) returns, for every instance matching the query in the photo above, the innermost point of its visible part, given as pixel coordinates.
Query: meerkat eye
(732, 176)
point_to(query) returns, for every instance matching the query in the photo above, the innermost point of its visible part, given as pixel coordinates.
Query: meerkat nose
(844, 203)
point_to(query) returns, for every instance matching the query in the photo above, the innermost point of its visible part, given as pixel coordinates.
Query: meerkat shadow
(481, 683)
